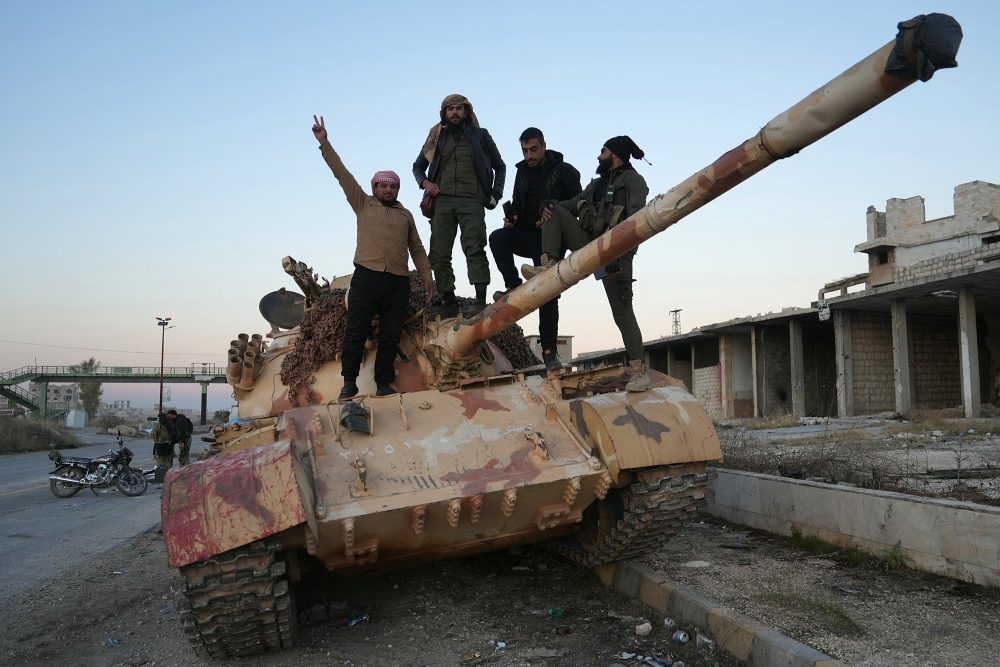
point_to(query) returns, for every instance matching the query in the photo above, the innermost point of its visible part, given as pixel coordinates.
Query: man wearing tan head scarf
(460, 167)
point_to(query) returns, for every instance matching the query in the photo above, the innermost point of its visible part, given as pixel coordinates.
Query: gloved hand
(492, 203)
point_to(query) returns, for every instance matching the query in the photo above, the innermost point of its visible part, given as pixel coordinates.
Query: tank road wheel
(238, 603)
(637, 519)
(65, 489)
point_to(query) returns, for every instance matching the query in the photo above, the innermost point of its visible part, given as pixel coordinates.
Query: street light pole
(162, 323)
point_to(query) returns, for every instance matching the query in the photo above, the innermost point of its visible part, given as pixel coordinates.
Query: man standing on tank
(541, 176)
(461, 168)
(617, 192)
(386, 238)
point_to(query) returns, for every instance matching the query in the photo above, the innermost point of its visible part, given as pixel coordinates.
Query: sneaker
(350, 390)
(530, 270)
(552, 360)
(385, 390)
(640, 380)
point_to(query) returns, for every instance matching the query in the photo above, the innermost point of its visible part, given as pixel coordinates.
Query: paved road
(42, 536)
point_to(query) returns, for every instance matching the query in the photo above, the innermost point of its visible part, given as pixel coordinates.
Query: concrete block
(690, 605)
(606, 574)
(628, 579)
(733, 632)
(772, 649)
(955, 539)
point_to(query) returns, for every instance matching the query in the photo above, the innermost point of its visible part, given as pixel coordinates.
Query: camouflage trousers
(163, 453)
(563, 232)
(451, 215)
(184, 457)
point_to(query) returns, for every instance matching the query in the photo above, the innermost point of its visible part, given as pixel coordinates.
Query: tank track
(655, 507)
(238, 603)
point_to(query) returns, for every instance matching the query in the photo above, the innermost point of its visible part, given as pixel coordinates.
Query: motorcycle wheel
(131, 482)
(65, 489)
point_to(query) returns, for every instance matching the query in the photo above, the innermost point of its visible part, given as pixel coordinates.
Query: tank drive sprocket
(239, 602)
(639, 518)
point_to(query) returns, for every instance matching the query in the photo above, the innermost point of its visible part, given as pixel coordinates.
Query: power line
(101, 349)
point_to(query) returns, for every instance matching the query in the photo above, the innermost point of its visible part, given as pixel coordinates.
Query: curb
(737, 635)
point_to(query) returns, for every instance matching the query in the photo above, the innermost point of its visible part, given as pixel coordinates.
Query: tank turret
(475, 452)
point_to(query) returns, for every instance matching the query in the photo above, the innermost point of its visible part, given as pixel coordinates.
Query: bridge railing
(26, 373)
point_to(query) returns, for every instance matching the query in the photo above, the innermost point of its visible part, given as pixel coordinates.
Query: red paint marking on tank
(237, 486)
(182, 510)
(728, 171)
(521, 470)
(623, 238)
(281, 404)
(409, 377)
(474, 400)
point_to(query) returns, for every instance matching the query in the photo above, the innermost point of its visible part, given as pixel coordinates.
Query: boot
(449, 305)
(385, 390)
(552, 361)
(530, 270)
(481, 295)
(640, 378)
(350, 390)
(499, 295)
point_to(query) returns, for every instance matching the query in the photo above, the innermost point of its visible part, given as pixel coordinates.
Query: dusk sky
(157, 158)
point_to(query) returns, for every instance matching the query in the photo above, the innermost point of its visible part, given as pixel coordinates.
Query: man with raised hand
(386, 238)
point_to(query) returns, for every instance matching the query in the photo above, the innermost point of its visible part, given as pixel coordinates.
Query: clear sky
(157, 159)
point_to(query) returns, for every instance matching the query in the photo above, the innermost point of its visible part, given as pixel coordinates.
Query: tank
(476, 452)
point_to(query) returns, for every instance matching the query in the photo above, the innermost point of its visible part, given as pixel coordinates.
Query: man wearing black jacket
(542, 175)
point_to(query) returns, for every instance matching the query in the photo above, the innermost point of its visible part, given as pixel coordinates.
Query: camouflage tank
(475, 453)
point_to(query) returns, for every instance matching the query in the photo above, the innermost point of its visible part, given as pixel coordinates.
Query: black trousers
(510, 241)
(374, 293)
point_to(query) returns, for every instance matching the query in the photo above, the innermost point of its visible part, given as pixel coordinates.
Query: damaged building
(920, 329)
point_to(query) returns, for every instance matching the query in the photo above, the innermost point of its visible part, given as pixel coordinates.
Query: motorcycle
(73, 473)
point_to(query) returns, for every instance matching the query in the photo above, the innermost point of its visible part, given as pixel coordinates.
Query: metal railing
(27, 373)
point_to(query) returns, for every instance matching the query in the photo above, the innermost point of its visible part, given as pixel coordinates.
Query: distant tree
(222, 416)
(90, 392)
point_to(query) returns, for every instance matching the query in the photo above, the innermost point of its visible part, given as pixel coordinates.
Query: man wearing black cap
(617, 192)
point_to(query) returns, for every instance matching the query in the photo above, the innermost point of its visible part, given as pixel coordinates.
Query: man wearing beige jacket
(387, 238)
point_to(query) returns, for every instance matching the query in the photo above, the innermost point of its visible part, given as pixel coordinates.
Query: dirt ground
(858, 613)
(544, 610)
(528, 607)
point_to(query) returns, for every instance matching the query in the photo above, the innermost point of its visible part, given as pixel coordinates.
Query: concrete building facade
(919, 330)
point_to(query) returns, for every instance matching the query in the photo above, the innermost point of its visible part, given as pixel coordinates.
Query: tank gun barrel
(924, 44)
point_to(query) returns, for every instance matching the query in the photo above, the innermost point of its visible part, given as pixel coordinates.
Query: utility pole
(162, 323)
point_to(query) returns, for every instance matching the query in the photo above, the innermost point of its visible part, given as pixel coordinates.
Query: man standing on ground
(541, 176)
(387, 238)
(460, 166)
(617, 192)
(183, 428)
(163, 445)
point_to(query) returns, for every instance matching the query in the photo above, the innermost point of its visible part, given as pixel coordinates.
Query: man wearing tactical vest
(461, 168)
(617, 192)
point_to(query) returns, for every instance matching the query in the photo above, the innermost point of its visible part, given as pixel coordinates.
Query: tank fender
(231, 500)
(661, 426)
